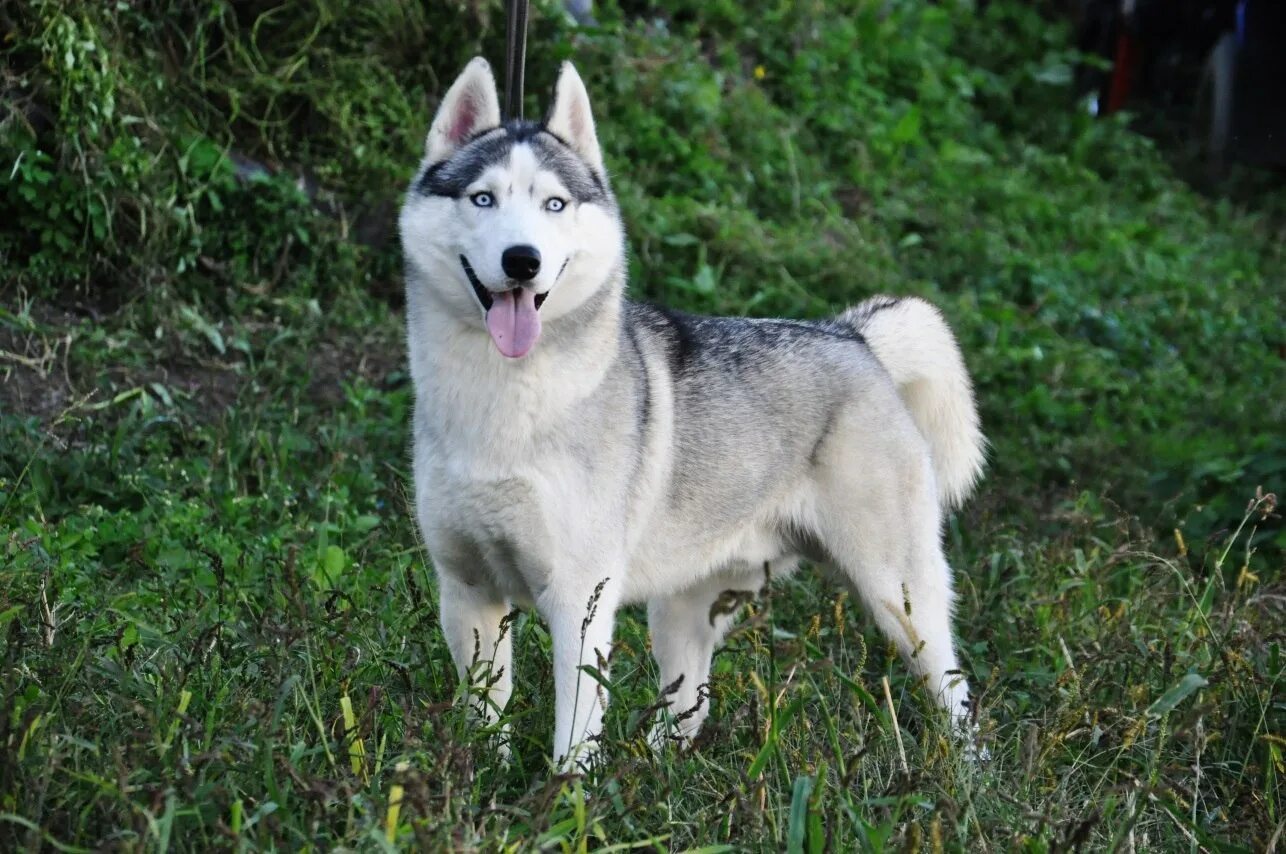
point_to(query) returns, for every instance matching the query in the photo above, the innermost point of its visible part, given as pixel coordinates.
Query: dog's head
(511, 224)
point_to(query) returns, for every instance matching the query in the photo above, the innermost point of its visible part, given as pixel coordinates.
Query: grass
(219, 629)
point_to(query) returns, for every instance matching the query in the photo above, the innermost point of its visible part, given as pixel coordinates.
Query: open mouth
(512, 316)
(484, 295)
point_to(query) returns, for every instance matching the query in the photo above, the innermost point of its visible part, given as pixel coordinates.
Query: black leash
(515, 58)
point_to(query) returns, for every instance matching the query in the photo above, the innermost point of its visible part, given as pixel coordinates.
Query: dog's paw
(498, 740)
(669, 732)
(975, 752)
(582, 759)
(972, 748)
(663, 736)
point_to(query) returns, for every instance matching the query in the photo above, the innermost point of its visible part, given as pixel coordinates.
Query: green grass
(206, 553)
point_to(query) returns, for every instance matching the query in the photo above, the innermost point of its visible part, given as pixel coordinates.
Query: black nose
(521, 262)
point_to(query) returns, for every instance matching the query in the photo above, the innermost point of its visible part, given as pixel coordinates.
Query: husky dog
(575, 451)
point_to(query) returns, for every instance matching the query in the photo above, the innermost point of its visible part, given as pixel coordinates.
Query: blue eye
(555, 204)
(482, 200)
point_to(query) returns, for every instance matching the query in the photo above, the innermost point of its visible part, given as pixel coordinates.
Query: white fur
(528, 489)
(932, 379)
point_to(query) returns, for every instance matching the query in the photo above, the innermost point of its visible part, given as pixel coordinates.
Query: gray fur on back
(754, 399)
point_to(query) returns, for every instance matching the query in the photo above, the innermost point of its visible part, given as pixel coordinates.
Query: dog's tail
(913, 342)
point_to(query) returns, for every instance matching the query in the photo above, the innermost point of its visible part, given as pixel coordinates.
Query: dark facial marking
(583, 184)
(484, 295)
(451, 177)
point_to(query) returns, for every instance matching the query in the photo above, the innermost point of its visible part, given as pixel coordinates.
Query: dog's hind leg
(473, 620)
(879, 521)
(685, 629)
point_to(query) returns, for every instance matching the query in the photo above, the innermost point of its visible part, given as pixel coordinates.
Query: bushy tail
(913, 342)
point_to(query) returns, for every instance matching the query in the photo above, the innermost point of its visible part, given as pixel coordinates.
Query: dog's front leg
(473, 621)
(580, 617)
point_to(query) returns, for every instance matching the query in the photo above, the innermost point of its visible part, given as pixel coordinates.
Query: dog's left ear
(570, 118)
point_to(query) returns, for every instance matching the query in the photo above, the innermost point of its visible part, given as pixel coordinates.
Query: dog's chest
(516, 512)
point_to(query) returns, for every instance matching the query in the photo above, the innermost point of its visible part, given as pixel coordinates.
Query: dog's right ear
(470, 105)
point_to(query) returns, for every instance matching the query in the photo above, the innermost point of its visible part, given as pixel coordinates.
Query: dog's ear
(570, 118)
(470, 105)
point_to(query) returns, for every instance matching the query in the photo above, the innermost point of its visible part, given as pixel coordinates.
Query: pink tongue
(513, 322)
